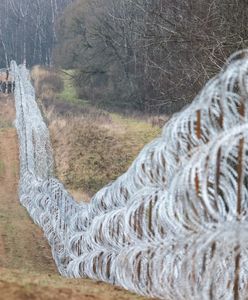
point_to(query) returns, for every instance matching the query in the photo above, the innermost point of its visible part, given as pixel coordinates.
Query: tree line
(27, 30)
(149, 55)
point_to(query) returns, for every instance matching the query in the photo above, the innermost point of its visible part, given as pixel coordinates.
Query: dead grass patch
(90, 152)
(7, 111)
(47, 82)
(92, 147)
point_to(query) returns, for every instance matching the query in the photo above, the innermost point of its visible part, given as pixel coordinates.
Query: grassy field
(92, 147)
(90, 153)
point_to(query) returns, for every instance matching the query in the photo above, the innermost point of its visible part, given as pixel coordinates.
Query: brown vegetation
(91, 146)
(90, 153)
(46, 82)
(27, 270)
(7, 111)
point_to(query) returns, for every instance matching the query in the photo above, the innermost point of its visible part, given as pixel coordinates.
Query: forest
(145, 55)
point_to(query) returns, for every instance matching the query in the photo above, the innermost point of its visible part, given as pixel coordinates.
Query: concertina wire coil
(174, 226)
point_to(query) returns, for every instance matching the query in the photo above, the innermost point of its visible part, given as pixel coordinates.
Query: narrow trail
(17, 230)
(27, 270)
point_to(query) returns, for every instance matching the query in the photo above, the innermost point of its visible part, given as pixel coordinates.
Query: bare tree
(152, 55)
(28, 29)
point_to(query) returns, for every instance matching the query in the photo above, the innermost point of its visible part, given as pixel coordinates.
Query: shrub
(47, 82)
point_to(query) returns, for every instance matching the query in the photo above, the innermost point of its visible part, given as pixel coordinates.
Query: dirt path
(27, 270)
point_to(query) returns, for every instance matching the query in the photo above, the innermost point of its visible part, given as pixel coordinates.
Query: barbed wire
(174, 226)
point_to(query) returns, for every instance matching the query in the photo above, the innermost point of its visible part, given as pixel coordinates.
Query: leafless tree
(153, 55)
(28, 29)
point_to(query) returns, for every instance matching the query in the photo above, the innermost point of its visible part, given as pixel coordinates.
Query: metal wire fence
(174, 226)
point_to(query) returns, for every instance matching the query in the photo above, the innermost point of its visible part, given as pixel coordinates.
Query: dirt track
(27, 270)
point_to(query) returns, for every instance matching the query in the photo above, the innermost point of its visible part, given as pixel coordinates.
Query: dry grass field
(92, 147)
(27, 270)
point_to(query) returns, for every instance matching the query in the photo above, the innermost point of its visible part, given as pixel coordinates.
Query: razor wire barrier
(174, 226)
